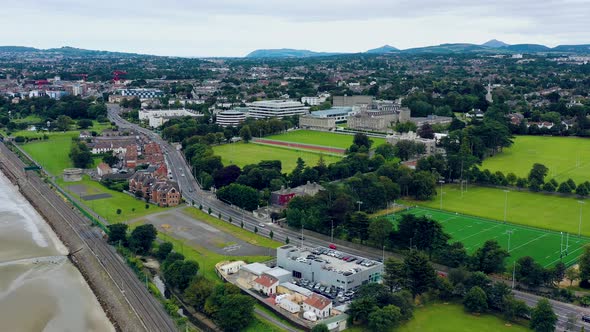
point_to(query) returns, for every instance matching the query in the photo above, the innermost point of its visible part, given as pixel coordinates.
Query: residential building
(312, 122)
(103, 169)
(372, 120)
(231, 118)
(313, 101)
(156, 188)
(275, 108)
(158, 117)
(328, 267)
(282, 196)
(319, 305)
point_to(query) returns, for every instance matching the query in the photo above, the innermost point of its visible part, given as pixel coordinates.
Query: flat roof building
(329, 267)
(157, 118)
(231, 118)
(275, 109)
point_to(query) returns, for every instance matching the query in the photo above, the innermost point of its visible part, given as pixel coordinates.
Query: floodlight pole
(359, 203)
(441, 192)
(332, 232)
(580, 223)
(509, 237)
(505, 203)
(513, 273)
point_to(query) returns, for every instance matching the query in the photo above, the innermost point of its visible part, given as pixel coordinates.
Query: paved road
(192, 193)
(150, 312)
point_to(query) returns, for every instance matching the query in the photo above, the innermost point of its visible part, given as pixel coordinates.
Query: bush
(584, 284)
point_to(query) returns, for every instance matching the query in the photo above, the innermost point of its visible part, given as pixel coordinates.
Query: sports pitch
(546, 247)
(322, 138)
(566, 157)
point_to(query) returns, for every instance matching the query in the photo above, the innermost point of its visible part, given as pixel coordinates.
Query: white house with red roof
(319, 305)
(266, 284)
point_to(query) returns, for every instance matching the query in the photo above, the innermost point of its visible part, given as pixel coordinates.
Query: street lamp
(359, 203)
(580, 223)
(332, 232)
(505, 203)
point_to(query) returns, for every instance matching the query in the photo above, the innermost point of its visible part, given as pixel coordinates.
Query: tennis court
(546, 247)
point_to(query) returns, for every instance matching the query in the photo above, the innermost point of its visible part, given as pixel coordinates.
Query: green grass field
(566, 157)
(524, 208)
(544, 246)
(242, 154)
(52, 154)
(321, 138)
(453, 318)
(131, 207)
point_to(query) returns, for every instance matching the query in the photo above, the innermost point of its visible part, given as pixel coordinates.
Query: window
(296, 274)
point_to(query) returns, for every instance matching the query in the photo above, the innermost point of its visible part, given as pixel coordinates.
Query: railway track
(149, 311)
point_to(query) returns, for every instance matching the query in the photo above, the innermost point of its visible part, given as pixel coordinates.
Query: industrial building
(329, 267)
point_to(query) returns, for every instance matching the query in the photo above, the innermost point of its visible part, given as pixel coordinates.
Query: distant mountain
(287, 53)
(17, 49)
(449, 48)
(382, 50)
(527, 48)
(494, 43)
(573, 48)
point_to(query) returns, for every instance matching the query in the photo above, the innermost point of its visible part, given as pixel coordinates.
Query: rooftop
(256, 268)
(266, 280)
(333, 111)
(333, 260)
(317, 301)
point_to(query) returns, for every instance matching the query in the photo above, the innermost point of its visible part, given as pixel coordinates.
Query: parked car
(332, 246)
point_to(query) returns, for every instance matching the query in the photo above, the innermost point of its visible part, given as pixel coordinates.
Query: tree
(118, 233)
(271, 234)
(243, 196)
(198, 291)
(512, 308)
(385, 318)
(538, 173)
(63, 122)
(564, 188)
(529, 272)
(558, 272)
(320, 328)
(142, 238)
(476, 300)
(255, 230)
(362, 140)
(84, 124)
(245, 134)
(583, 189)
(118, 211)
(111, 160)
(80, 155)
(572, 274)
(489, 258)
(394, 274)
(235, 313)
(163, 250)
(180, 273)
(287, 240)
(379, 230)
(420, 275)
(584, 264)
(429, 235)
(225, 176)
(424, 185)
(361, 308)
(426, 131)
(543, 318)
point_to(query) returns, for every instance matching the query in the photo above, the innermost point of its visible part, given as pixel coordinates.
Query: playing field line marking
(474, 234)
(533, 240)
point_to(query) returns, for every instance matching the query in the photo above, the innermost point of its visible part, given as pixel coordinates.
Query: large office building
(340, 101)
(328, 267)
(231, 118)
(276, 109)
(141, 93)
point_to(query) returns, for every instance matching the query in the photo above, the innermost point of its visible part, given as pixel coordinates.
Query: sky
(207, 28)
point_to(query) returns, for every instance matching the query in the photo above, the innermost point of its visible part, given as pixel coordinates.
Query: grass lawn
(242, 154)
(566, 157)
(131, 207)
(52, 154)
(321, 138)
(544, 246)
(524, 208)
(232, 229)
(453, 318)
(206, 258)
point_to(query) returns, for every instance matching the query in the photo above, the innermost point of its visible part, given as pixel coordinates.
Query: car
(262, 225)
(332, 246)
(322, 289)
(586, 318)
(301, 237)
(317, 286)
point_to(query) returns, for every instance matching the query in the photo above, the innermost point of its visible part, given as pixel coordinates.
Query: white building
(141, 93)
(319, 305)
(157, 118)
(230, 118)
(276, 108)
(313, 101)
(266, 284)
